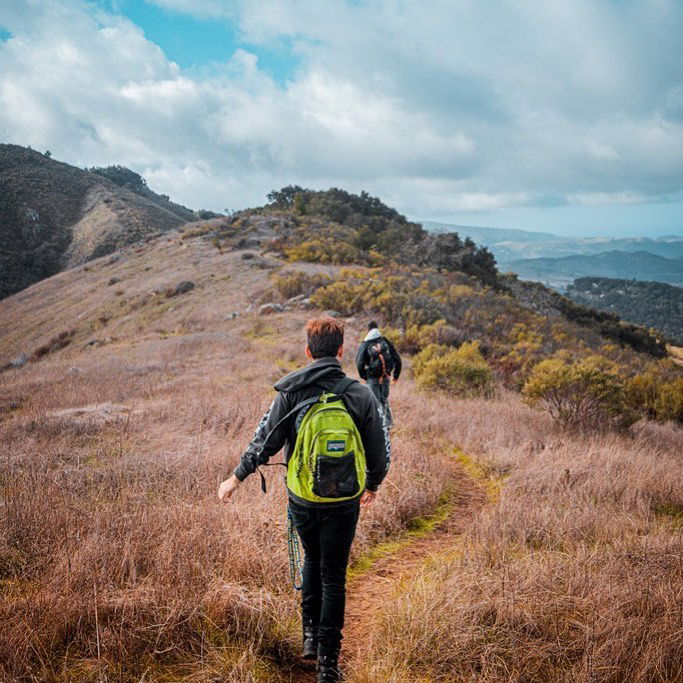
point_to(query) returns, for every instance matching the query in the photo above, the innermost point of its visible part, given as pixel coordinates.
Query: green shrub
(669, 403)
(657, 393)
(297, 282)
(324, 250)
(643, 391)
(585, 394)
(399, 298)
(462, 371)
(418, 337)
(392, 334)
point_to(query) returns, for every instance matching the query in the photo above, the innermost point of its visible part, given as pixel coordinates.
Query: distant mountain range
(557, 261)
(508, 244)
(54, 216)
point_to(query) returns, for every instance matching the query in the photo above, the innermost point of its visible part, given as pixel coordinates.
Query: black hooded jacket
(319, 376)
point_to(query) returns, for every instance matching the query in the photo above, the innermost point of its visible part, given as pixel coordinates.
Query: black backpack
(381, 363)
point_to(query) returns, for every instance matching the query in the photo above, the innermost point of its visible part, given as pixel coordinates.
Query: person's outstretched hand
(227, 488)
(393, 381)
(367, 498)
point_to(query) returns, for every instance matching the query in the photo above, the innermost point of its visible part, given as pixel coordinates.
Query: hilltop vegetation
(655, 304)
(361, 229)
(438, 291)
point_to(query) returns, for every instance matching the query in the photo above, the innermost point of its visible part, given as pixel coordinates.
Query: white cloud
(198, 8)
(451, 106)
(607, 198)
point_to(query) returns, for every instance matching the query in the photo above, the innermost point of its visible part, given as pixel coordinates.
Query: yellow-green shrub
(357, 290)
(297, 282)
(418, 337)
(324, 250)
(462, 371)
(669, 403)
(643, 392)
(392, 334)
(396, 296)
(657, 392)
(584, 394)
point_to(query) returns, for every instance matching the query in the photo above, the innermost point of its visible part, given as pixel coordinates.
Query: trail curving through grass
(387, 566)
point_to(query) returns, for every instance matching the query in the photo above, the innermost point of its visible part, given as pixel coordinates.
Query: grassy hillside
(531, 552)
(655, 304)
(54, 216)
(126, 432)
(134, 182)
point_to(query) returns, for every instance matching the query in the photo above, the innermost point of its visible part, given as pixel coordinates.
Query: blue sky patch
(196, 42)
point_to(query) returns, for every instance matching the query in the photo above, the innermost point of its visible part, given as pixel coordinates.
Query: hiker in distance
(377, 360)
(337, 453)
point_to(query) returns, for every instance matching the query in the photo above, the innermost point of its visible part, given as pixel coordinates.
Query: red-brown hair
(325, 336)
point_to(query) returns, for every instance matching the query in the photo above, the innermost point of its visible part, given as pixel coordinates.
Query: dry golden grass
(118, 563)
(574, 573)
(116, 559)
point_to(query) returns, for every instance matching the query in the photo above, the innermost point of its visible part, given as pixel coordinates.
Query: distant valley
(557, 261)
(559, 273)
(653, 304)
(509, 244)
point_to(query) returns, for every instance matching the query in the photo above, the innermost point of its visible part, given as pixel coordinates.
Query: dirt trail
(367, 592)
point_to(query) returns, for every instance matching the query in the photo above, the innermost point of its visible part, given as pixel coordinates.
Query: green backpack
(328, 461)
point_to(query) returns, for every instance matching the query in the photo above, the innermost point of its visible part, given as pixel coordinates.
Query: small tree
(586, 394)
(299, 203)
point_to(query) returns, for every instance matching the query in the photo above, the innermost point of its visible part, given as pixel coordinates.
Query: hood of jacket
(319, 370)
(374, 333)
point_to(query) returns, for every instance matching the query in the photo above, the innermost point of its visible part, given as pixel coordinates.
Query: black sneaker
(310, 650)
(328, 669)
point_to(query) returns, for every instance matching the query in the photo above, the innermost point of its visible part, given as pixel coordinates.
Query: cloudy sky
(562, 115)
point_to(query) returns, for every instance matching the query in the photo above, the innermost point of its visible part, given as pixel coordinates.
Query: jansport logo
(336, 446)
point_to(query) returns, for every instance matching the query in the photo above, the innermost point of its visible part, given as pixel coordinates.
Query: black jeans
(381, 392)
(326, 536)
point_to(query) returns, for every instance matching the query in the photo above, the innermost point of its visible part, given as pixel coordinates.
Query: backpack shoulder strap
(299, 406)
(340, 388)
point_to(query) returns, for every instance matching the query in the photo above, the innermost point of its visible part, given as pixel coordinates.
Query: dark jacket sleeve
(396, 358)
(375, 436)
(360, 361)
(254, 456)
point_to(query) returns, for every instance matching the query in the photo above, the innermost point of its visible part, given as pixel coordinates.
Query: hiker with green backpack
(337, 453)
(377, 360)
